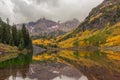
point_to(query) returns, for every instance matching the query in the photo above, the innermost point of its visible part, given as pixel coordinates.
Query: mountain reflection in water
(63, 65)
(47, 71)
(96, 65)
(57, 78)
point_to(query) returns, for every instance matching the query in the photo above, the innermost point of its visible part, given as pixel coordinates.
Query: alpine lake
(63, 65)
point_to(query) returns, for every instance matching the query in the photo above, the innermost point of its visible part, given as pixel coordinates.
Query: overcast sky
(20, 11)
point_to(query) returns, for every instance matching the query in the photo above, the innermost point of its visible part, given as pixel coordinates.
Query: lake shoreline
(8, 52)
(89, 48)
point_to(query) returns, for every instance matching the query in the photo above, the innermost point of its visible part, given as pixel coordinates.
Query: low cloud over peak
(20, 11)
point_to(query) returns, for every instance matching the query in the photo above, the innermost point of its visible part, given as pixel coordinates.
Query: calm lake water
(63, 65)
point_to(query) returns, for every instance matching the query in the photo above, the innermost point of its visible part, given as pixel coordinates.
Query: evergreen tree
(11, 36)
(21, 44)
(11, 41)
(26, 37)
(8, 34)
(4, 34)
(15, 35)
(24, 34)
(0, 33)
(20, 40)
(0, 19)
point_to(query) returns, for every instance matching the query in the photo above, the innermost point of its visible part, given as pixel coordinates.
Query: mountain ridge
(100, 28)
(105, 13)
(46, 27)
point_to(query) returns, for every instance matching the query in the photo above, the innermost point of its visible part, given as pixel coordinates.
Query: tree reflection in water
(13, 67)
(64, 64)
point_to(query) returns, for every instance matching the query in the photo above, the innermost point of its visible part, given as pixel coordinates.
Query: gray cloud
(50, 2)
(20, 11)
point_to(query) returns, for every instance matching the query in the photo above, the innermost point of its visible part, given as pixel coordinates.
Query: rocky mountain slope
(69, 25)
(45, 27)
(108, 12)
(100, 29)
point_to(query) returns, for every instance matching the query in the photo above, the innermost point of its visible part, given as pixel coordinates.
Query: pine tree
(15, 35)
(4, 34)
(8, 34)
(11, 36)
(25, 35)
(21, 45)
(11, 41)
(26, 38)
(0, 19)
(0, 33)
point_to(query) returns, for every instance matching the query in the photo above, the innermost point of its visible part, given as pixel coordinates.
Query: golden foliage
(44, 42)
(83, 58)
(62, 36)
(113, 41)
(69, 55)
(79, 37)
(110, 33)
(112, 55)
(67, 43)
(86, 32)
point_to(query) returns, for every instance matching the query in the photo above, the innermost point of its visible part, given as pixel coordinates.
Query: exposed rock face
(106, 12)
(45, 27)
(69, 25)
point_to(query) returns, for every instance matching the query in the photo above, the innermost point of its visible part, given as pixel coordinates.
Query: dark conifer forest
(11, 36)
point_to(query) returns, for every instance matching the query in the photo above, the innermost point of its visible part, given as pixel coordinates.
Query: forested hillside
(11, 36)
(100, 28)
